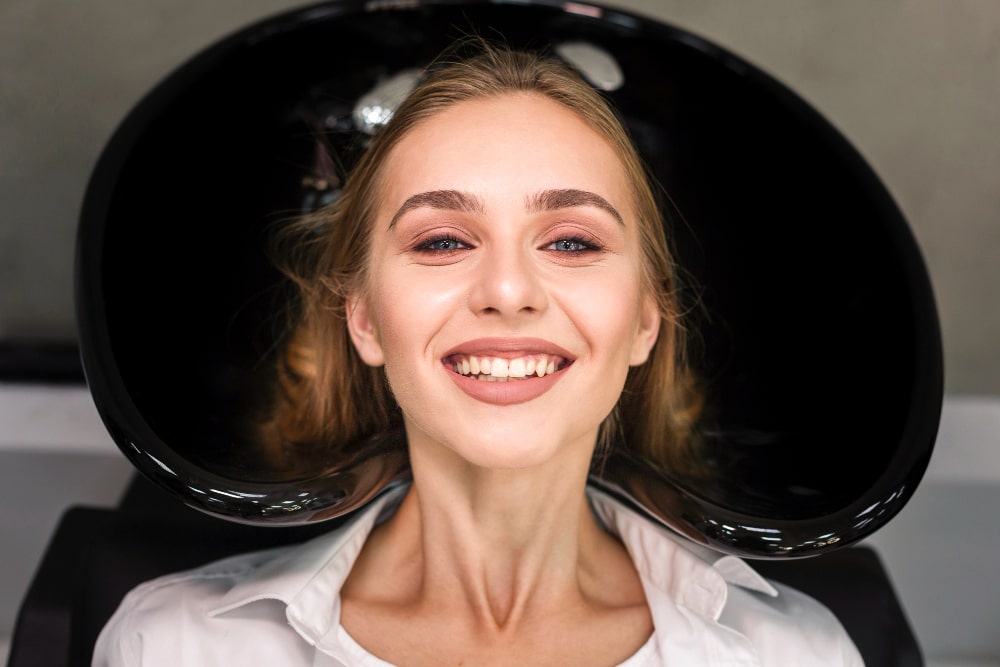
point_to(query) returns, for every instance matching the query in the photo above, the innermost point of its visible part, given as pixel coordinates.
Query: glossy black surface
(817, 331)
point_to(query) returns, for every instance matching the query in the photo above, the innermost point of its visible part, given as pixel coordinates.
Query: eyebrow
(546, 200)
(553, 200)
(449, 200)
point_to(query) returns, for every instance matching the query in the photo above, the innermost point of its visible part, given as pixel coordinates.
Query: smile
(500, 369)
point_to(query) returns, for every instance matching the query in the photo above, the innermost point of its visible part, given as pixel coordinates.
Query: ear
(647, 331)
(363, 331)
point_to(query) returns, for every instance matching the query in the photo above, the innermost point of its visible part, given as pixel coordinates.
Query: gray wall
(915, 84)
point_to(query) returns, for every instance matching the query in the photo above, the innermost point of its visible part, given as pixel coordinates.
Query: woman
(495, 278)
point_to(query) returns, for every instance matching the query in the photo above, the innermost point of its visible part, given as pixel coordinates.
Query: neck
(501, 545)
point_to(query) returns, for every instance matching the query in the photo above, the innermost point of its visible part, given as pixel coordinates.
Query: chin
(519, 448)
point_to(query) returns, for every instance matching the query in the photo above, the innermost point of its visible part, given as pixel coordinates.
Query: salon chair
(817, 330)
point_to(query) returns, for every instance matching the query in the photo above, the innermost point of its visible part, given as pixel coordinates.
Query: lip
(512, 392)
(509, 348)
(505, 393)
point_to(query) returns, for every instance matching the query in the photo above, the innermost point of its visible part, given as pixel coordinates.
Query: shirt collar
(686, 587)
(676, 573)
(692, 574)
(307, 578)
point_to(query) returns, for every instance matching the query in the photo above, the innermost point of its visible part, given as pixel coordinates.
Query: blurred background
(914, 85)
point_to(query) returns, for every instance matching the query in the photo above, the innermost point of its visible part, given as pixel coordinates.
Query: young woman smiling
(496, 280)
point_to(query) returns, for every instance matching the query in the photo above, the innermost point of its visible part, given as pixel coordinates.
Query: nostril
(507, 287)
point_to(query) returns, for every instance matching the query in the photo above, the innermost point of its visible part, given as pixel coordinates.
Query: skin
(494, 546)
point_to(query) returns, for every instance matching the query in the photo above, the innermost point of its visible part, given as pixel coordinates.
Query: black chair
(98, 555)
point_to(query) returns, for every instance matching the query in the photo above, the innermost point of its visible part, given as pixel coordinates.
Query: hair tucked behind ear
(327, 397)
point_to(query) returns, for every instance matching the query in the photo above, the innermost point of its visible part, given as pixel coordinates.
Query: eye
(572, 245)
(441, 244)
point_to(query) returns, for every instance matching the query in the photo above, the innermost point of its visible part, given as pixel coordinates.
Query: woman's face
(504, 295)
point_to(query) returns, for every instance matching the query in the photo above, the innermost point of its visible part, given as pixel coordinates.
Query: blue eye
(444, 244)
(571, 245)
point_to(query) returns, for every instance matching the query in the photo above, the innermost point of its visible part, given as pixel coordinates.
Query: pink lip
(509, 347)
(511, 392)
(505, 393)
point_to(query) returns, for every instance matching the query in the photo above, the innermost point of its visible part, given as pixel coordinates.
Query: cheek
(411, 306)
(396, 333)
(607, 308)
(394, 315)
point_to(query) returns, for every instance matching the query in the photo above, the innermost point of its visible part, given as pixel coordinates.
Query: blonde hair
(328, 398)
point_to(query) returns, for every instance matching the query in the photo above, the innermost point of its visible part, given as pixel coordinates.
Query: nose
(508, 284)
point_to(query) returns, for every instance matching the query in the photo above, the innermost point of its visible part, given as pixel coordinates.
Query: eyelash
(427, 245)
(582, 244)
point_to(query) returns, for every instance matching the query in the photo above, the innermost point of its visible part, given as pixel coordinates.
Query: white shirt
(282, 607)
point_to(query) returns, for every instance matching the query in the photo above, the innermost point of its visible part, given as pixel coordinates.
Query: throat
(498, 582)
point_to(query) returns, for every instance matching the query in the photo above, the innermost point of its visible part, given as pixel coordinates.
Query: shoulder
(171, 613)
(790, 628)
(265, 607)
(728, 608)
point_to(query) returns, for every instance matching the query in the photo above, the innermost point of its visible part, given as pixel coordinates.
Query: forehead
(503, 147)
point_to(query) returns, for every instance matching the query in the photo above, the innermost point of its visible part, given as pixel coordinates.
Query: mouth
(487, 368)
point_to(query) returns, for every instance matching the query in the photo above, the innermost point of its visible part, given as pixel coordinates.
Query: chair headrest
(819, 339)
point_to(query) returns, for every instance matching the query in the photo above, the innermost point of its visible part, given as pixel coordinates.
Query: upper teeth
(500, 369)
